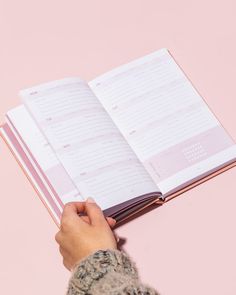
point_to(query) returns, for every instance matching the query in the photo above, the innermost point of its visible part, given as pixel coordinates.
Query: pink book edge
(34, 176)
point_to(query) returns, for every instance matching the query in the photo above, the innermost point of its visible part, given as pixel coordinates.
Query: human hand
(80, 236)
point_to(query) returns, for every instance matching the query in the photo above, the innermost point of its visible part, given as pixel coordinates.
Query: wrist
(96, 267)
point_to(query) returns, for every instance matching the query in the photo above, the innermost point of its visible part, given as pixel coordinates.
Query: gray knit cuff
(96, 266)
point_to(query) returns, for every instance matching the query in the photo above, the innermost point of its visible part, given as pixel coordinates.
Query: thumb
(111, 221)
(72, 209)
(94, 212)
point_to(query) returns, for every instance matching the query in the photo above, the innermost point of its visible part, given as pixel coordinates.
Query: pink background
(188, 245)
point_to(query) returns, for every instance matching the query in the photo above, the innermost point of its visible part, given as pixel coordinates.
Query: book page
(164, 119)
(41, 153)
(88, 144)
(52, 203)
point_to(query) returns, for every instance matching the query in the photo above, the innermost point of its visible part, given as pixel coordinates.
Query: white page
(36, 145)
(164, 119)
(88, 144)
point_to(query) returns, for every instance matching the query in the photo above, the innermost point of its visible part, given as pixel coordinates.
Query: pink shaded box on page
(189, 152)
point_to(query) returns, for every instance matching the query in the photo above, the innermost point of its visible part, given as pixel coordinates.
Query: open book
(137, 135)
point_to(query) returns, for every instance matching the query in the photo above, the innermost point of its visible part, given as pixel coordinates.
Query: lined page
(44, 157)
(86, 141)
(164, 119)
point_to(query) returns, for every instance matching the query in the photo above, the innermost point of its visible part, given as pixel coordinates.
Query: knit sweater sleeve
(107, 272)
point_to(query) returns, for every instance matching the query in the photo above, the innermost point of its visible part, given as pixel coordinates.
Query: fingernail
(90, 200)
(113, 219)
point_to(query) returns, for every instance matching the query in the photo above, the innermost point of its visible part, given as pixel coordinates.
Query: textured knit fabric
(107, 272)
